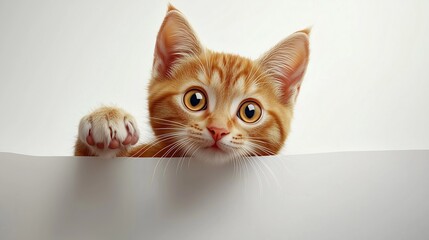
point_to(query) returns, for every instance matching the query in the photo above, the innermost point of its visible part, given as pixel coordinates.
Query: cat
(214, 106)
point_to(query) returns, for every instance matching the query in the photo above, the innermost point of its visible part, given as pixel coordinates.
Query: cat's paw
(108, 131)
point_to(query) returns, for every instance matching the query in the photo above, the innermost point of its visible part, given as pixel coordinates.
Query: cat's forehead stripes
(228, 72)
(201, 76)
(215, 78)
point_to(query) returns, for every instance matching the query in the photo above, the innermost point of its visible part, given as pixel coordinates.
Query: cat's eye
(249, 112)
(195, 100)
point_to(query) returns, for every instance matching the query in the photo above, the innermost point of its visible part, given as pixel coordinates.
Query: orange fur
(182, 63)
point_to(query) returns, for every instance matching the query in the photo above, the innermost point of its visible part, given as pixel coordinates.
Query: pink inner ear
(164, 56)
(287, 62)
(292, 84)
(175, 40)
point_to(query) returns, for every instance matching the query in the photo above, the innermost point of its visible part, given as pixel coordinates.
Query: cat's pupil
(250, 111)
(196, 99)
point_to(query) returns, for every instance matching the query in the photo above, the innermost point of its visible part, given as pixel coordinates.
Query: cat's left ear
(176, 40)
(286, 63)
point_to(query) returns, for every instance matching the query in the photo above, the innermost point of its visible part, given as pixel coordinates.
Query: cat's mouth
(215, 147)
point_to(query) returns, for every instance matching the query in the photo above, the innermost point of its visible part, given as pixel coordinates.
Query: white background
(366, 86)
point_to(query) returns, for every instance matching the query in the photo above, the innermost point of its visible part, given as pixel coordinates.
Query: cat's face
(219, 107)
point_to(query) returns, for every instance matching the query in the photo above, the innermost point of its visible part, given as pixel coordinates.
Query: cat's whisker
(255, 170)
(251, 137)
(265, 150)
(160, 160)
(185, 152)
(197, 148)
(194, 148)
(179, 147)
(263, 142)
(171, 134)
(260, 162)
(167, 120)
(261, 148)
(262, 152)
(270, 171)
(155, 143)
(234, 153)
(232, 157)
(175, 148)
(168, 124)
(232, 161)
(270, 176)
(260, 172)
(161, 138)
(168, 128)
(171, 147)
(236, 157)
(244, 164)
(192, 154)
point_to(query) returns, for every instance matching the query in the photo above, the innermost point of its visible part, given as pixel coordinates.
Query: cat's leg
(107, 132)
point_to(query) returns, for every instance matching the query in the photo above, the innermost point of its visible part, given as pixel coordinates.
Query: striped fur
(182, 63)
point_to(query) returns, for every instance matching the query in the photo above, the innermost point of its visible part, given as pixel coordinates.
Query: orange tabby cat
(211, 105)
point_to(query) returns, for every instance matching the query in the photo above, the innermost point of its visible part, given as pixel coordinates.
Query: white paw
(108, 130)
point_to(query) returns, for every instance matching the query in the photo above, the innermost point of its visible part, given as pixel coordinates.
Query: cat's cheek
(206, 139)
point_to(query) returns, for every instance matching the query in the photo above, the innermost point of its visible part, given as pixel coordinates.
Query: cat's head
(219, 107)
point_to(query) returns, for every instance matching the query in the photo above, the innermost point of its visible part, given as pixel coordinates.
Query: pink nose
(217, 133)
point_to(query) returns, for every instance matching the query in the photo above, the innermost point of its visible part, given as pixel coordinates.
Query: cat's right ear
(176, 40)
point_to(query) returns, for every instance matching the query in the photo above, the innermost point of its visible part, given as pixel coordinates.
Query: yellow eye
(249, 112)
(195, 100)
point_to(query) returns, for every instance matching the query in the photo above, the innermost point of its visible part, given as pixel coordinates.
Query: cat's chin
(213, 156)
